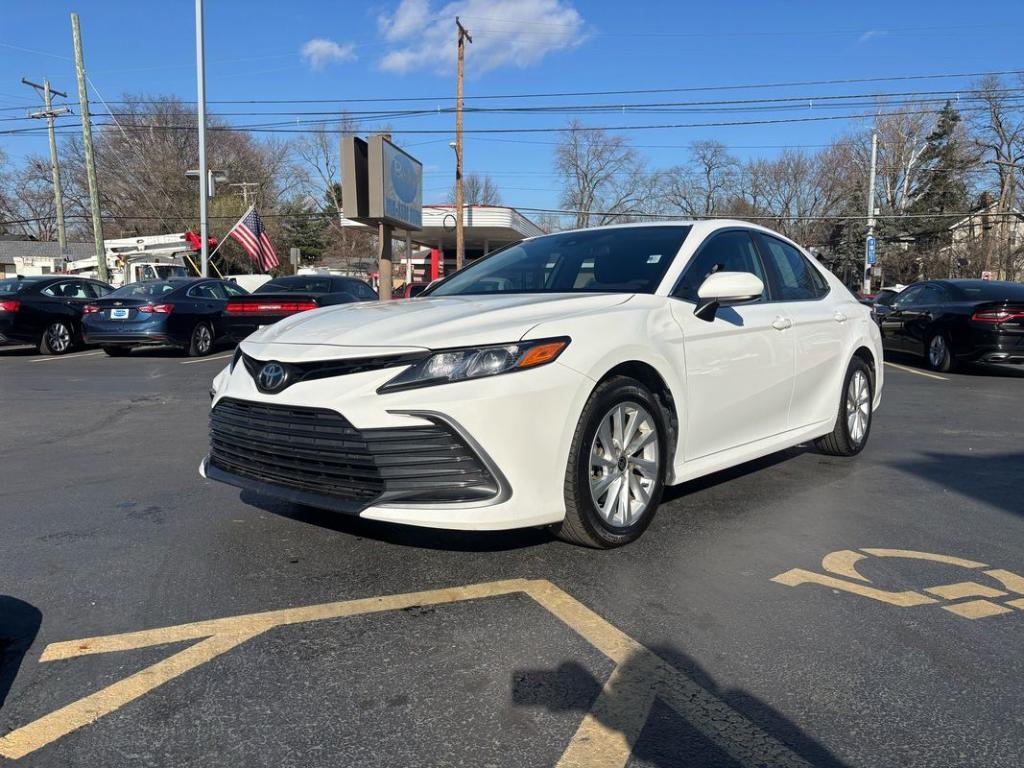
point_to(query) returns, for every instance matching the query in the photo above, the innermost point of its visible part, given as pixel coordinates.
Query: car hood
(430, 323)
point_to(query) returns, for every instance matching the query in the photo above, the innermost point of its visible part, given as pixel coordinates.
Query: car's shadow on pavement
(992, 370)
(992, 479)
(732, 473)
(19, 623)
(692, 721)
(402, 535)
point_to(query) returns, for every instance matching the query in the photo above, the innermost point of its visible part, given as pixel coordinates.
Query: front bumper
(519, 426)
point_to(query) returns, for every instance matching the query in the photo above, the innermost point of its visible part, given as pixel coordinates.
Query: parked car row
(57, 312)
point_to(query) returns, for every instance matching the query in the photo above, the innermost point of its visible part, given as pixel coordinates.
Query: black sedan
(188, 313)
(46, 310)
(952, 321)
(284, 296)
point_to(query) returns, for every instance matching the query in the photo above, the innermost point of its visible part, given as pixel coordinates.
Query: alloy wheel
(858, 407)
(203, 339)
(624, 464)
(58, 338)
(937, 351)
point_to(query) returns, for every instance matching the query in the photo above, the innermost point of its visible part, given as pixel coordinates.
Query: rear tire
(117, 351)
(201, 342)
(853, 423)
(613, 490)
(58, 339)
(938, 354)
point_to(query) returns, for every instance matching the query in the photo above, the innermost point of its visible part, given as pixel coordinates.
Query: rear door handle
(781, 323)
(839, 317)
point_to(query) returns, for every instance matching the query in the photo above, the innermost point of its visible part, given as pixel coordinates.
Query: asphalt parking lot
(799, 610)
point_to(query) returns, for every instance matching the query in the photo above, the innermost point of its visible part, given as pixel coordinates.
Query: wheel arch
(651, 378)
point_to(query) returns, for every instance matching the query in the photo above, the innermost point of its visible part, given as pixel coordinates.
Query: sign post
(382, 185)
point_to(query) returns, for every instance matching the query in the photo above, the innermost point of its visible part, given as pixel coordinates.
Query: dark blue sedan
(188, 313)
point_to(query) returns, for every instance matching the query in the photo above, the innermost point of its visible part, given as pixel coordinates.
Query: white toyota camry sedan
(562, 381)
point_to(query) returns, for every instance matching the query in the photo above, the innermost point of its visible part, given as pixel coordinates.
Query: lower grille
(317, 451)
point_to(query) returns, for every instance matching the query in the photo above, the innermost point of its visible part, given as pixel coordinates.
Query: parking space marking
(843, 563)
(207, 359)
(65, 357)
(915, 371)
(605, 738)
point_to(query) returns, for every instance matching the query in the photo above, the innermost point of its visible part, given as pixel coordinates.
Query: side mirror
(724, 288)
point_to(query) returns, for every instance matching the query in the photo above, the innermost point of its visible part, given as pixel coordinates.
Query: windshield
(297, 285)
(613, 260)
(994, 290)
(886, 297)
(143, 290)
(162, 271)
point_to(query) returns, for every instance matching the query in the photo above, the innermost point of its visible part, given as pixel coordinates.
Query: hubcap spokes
(58, 337)
(204, 338)
(937, 351)
(858, 407)
(624, 464)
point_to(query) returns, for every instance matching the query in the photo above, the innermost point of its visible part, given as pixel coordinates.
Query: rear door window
(796, 279)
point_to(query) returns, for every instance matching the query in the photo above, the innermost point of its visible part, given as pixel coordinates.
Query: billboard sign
(396, 185)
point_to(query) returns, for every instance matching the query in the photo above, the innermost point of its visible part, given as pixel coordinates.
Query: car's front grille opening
(315, 450)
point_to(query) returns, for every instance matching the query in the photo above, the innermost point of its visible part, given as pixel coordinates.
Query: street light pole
(460, 243)
(869, 243)
(204, 227)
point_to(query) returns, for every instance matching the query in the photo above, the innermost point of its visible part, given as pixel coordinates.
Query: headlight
(450, 365)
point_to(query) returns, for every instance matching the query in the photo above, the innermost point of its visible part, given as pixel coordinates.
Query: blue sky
(306, 49)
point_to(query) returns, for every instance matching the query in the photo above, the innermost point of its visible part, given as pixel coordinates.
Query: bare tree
(603, 178)
(999, 133)
(477, 190)
(704, 185)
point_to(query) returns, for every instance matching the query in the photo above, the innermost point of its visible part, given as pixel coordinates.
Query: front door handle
(839, 317)
(781, 323)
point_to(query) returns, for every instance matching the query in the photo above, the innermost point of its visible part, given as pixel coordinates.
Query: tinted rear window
(988, 290)
(297, 284)
(14, 286)
(143, 290)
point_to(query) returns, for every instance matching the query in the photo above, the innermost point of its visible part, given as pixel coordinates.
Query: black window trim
(773, 275)
(766, 298)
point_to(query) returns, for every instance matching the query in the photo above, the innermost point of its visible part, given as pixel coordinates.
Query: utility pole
(869, 246)
(460, 243)
(90, 160)
(245, 185)
(50, 113)
(204, 225)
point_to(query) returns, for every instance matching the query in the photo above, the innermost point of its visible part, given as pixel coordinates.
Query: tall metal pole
(871, 213)
(460, 243)
(90, 160)
(204, 233)
(50, 114)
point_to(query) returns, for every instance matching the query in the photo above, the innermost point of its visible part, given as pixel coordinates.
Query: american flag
(252, 235)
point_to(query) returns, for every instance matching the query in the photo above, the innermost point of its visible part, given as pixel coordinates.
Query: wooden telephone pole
(50, 114)
(460, 243)
(90, 160)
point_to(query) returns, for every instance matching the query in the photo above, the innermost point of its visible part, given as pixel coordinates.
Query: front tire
(201, 342)
(616, 469)
(938, 354)
(853, 424)
(58, 339)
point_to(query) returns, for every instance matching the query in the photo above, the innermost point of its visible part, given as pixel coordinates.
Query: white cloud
(506, 33)
(871, 34)
(319, 53)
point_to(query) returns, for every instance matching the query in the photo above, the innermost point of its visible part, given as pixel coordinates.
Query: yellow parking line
(65, 357)
(208, 359)
(914, 370)
(605, 738)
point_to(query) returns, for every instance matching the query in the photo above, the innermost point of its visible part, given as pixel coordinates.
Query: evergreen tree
(304, 229)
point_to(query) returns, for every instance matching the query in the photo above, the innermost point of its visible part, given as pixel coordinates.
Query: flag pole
(233, 228)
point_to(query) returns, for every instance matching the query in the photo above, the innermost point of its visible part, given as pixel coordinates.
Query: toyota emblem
(272, 377)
